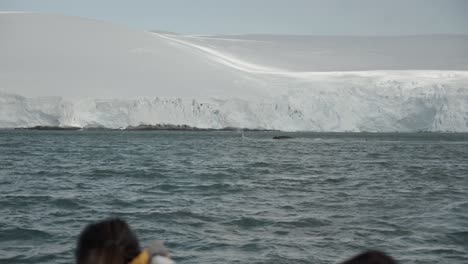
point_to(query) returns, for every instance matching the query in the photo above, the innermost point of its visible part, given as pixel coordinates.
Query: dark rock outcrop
(282, 137)
(52, 128)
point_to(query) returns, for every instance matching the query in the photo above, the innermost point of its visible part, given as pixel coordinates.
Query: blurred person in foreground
(111, 241)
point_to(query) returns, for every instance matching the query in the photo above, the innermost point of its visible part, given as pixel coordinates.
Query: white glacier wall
(368, 101)
(68, 71)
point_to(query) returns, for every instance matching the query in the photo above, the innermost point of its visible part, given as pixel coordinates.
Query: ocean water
(220, 197)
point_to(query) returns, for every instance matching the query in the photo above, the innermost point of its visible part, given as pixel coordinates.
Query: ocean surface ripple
(226, 197)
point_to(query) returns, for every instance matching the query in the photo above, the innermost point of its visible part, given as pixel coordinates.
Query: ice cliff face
(339, 102)
(62, 71)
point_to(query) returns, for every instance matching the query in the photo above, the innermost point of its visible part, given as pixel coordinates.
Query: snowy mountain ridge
(67, 71)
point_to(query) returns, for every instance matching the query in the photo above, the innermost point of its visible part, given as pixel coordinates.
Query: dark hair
(110, 241)
(371, 257)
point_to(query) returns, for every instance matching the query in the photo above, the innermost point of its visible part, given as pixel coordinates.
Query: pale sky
(310, 17)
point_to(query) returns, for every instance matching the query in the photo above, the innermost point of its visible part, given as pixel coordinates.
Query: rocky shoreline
(142, 127)
(64, 128)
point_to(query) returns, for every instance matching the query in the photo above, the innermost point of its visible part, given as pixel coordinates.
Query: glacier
(67, 71)
(340, 102)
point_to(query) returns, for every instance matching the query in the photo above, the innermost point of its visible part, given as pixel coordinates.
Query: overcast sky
(325, 17)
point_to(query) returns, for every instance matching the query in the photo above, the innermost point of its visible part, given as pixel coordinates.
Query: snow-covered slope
(67, 71)
(76, 58)
(344, 53)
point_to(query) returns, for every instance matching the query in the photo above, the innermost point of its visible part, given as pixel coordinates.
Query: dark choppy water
(218, 198)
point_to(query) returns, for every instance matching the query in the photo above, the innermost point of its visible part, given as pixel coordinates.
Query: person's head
(371, 257)
(110, 241)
